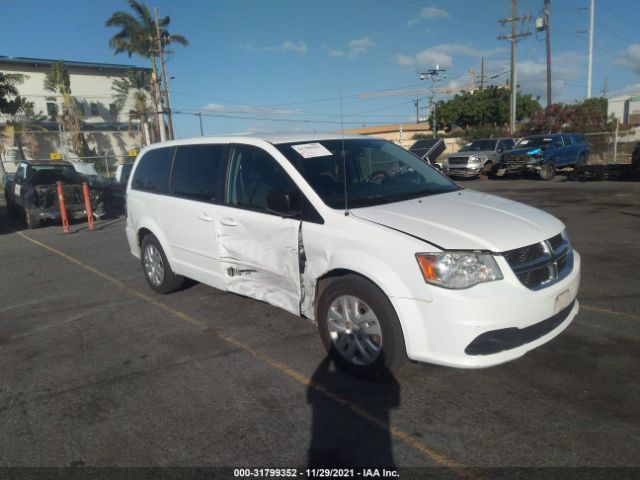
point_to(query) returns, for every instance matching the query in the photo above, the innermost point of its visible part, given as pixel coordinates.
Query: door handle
(230, 222)
(204, 217)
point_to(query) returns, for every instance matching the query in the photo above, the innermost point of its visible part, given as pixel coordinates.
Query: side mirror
(558, 143)
(284, 202)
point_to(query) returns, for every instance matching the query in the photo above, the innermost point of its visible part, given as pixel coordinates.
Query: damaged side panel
(260, 256)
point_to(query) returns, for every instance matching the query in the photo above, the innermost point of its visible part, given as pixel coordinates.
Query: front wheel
(548, 171)
(359, 327)
(156, 267)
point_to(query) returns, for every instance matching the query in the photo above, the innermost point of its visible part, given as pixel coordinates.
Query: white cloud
(428, 13)
(355, 48)
(631, 58)
(626, 90)
(532, 74)
(298, 47)
(442, 55)
(286, 46)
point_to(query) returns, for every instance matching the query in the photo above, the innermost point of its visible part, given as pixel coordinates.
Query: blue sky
(283, 65)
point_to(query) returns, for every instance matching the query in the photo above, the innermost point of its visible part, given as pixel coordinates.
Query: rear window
(152, 172)
(198, 172)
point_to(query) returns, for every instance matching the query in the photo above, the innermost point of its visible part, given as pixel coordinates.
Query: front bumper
(463, 170)
(488, 324)
(505, 168)
(75, 212)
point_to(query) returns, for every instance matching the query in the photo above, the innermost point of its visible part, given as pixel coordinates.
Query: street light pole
(434, 76)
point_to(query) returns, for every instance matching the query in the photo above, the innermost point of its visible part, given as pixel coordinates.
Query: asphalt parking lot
(96, 370)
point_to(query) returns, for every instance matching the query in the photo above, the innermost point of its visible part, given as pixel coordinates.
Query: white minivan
(389, 257)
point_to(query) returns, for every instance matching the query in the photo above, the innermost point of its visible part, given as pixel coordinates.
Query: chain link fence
(612, 147)
(109, 148)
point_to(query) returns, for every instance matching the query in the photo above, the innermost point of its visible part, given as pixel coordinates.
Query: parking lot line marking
(401, 435)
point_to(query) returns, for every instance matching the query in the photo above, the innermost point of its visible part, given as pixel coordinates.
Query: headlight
(445, 162)
(477, 159)
(458, 270)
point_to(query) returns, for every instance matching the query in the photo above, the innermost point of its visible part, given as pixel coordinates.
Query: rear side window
(152, 172)
(198, 172)
(568, 140)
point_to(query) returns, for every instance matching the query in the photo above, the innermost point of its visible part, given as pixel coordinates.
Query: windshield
(377, 171)
(535, 142)
(480, 145)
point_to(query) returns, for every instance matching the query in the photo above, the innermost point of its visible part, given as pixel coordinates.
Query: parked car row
(542, 155)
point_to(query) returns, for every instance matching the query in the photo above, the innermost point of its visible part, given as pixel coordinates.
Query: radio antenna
(343, 153)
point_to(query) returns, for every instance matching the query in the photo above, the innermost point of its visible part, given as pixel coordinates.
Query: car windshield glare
(535, 142)
(480, 146)
(377, 171)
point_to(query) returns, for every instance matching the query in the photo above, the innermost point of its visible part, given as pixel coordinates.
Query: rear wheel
(359, 327)
(156, 267)
(548, 171)
(32, 218)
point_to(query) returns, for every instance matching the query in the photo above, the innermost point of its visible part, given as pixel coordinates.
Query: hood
(466, 220)
(528, 151)
(469, 153)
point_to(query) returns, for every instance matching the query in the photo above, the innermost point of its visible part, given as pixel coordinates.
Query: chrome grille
(517, 158)
(458, 160)
(541, 264)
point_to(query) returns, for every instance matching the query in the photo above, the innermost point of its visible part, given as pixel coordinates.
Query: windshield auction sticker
(311, 150)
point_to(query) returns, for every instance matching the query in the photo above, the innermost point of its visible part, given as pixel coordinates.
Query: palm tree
(138, 82)
(138, 35)
(57, 81)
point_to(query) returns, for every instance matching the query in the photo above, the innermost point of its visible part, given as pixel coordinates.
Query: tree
(137, 82)
(138, 35)
(8, 88)
(489, 107)
(58, 81)
(19, 126)
(586, 117)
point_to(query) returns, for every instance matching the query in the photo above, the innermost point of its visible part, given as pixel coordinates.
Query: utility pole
(165, 92)
(416, 102)
(604, 88)
(201, 130)
(589, 70)
(513, 38)
(482, 74)
(547, 27)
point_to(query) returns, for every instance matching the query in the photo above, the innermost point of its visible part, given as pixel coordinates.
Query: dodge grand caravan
(389, 257)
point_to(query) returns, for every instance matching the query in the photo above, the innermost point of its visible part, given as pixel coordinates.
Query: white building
(109, 133)
(625, 108)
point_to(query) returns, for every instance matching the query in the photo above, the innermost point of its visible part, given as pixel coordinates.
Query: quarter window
(152, 172)
(253, 173)
(198, 172)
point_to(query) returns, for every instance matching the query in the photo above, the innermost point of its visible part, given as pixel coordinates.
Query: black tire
(582, 161)
(391, 354)
(548, 171)
(164, 281)
(486, 170)
(31, 218)
(12, 211)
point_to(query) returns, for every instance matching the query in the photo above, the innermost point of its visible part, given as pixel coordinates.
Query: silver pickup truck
(477, 157)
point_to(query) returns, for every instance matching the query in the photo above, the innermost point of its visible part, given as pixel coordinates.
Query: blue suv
(545, 155)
